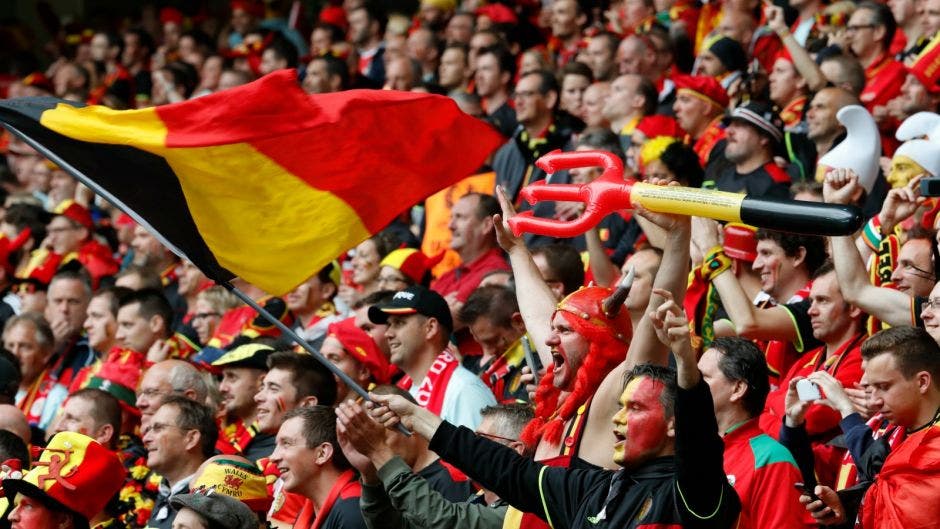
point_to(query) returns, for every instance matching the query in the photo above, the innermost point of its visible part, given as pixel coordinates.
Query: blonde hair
(221, 299)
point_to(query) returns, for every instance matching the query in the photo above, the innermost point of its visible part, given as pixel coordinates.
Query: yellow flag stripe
(225, 187)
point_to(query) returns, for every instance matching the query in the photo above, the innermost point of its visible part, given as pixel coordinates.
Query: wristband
(871, 234)
(715, 263)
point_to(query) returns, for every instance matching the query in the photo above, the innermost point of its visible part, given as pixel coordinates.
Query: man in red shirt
(839, 326)
(736, 374)
(870, 31)
(474, 239)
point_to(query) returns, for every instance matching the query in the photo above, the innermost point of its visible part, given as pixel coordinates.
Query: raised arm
(802, 61)
(602, 268)
(536, 300)
(644, 347)
(749, 321)
(706, 499)
(886, 304)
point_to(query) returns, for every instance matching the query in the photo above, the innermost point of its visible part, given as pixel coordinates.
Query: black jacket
(689, 489)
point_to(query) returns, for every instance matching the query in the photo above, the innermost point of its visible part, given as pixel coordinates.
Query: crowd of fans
(745, 378)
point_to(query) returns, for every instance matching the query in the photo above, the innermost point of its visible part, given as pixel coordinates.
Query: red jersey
(822, 422)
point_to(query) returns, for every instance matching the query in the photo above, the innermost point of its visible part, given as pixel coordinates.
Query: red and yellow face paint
(640, 426)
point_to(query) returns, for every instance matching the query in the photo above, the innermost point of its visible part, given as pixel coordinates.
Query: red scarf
(35, 399)
(434, 386)
(235, 437)
(310, 517)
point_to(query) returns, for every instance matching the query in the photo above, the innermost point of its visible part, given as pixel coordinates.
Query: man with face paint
(587, 351)
(667, 453)
(293, 380)
(736, 374)
(776, 317)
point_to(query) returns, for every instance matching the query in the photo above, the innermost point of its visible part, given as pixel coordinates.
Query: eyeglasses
(204, 315)
(158, 427)
(520, 94)
(851, 28)
(930, 303)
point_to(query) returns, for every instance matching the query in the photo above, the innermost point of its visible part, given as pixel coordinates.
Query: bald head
(737, 25)
(13, 420)
(634, 56)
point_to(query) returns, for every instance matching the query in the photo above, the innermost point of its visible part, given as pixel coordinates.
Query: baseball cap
(415, 299)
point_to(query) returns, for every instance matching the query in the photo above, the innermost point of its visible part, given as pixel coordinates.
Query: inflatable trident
(610, 193)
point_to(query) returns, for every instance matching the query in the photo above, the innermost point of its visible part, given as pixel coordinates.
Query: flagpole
(350, 383)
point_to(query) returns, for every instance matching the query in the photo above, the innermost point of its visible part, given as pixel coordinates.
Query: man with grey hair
(31, 341)
(180, 436)
(163, 379)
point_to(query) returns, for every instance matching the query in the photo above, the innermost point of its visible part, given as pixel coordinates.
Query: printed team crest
(54, 467)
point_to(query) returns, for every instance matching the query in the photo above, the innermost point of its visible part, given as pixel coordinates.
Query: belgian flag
(261, 181)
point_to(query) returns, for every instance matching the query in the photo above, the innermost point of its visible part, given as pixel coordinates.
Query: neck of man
(104, 347)
(537, 125)
(318, 489)
(188, 467)
(911, 29)
(247, 416)
(570, 41)
(787, 289)
(753, 163)
(371, 44)
(191, 300)
(418, 368)
(423, 457)
(495, 100)
(869, 58)
(470, 253)
(304, 316)
(928, 408)
(840, 337)
(618, 124)
(825, 144)
(703, 127)
(727, 419)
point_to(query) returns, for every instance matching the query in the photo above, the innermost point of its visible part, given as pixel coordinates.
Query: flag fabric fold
(262, 181)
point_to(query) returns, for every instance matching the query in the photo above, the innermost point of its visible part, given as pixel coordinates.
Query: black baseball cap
(415, 299)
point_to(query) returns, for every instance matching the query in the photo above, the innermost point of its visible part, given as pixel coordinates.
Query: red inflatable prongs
(606, 194)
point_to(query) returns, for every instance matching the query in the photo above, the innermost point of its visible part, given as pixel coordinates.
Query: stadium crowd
(746, 377)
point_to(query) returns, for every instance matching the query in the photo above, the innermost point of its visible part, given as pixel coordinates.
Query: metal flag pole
(306, 346)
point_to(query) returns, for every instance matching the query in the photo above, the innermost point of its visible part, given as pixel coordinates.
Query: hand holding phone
(806, 491)
(807, 390)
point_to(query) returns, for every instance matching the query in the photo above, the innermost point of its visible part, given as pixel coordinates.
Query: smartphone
(930, 187)
(808, 491)
(807, 390)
